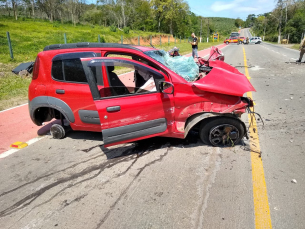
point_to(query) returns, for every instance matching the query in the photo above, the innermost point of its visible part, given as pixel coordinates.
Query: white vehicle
(255, 40)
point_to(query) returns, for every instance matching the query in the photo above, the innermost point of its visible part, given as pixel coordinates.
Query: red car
(129, 93)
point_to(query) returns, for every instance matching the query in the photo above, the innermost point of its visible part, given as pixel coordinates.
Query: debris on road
(19, 145)
(294, 181)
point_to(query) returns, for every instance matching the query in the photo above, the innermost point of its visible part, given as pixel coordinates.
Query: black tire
(57, 131)
(215, 131)
(227, 43)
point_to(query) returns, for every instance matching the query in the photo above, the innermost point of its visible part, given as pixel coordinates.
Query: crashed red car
(128, 93)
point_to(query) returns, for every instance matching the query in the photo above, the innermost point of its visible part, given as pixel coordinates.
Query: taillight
(36, 68)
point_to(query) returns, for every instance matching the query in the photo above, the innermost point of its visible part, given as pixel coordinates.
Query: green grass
(295, 46)
(13, 89)
(30, 37)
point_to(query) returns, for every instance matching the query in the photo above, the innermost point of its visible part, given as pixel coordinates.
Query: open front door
(130, 106)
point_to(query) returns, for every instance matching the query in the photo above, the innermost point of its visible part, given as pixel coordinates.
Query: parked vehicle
(234, 34)
(255, 40)
(129, 93)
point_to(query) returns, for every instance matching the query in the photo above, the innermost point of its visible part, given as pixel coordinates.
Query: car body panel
(225, 82)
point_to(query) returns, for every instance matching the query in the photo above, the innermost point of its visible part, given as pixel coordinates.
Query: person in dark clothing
(194, 45)
(302, 50)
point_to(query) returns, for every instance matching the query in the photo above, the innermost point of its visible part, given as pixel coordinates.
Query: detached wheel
(57, 131)
(227, 42)
(221, 132)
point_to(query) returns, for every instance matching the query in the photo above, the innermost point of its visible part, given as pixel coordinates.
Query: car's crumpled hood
(226, 80)
(223, 65)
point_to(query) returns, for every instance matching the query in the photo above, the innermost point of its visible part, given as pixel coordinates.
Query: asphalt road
(169, 183)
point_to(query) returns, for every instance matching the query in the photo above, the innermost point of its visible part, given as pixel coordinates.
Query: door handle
(60, 91)
(113, 109)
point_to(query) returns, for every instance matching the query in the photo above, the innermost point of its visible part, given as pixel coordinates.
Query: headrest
(110, 68)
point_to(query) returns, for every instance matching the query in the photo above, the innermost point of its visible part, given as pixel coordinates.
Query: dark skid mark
(114, 157)
(89, 149)
(84, 180)
(31, 197)
(102, 221)
(50, 174)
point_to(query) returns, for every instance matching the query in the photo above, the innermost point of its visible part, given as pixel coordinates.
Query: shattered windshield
(183, 66)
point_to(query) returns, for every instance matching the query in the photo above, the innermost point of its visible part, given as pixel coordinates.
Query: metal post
(175, 40)
(208, 32)
(99, 39)
(10, 44)
(121, 39)
(201, 30)
(65, 38)
(150, 40)
(168, 40)
(139, 40)
(160, 41)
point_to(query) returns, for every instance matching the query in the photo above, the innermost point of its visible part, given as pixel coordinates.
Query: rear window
(69, 70)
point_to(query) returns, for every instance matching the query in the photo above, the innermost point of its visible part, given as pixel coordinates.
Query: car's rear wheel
(57, 131)
(221, 131)
(227, 42)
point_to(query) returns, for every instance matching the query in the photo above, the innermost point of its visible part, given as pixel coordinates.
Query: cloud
(221, 6)
(236, 6)
(246, 9)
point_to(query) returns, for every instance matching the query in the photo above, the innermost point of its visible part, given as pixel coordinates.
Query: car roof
(96, 45)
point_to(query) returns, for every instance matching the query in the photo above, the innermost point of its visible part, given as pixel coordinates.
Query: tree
(239, 22)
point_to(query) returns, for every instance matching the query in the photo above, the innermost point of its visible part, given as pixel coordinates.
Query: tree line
(164, 16)
(286, 20)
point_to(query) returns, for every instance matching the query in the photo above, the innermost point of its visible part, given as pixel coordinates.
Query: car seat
(116, 85)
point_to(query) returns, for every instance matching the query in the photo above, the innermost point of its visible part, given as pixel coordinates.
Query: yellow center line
(260, 196)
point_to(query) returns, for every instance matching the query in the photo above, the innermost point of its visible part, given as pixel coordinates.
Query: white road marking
(13, 107)
(11, 151)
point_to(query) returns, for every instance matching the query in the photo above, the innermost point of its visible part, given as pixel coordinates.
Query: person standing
(194, 45)
(302, 50)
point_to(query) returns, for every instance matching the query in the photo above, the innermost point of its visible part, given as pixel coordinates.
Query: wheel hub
(223, 135)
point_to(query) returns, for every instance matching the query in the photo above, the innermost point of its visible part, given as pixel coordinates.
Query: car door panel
(128, 117)
(133, 131)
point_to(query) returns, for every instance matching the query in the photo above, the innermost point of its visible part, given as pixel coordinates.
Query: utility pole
(208, 32)
(280, 22)
(201, 30)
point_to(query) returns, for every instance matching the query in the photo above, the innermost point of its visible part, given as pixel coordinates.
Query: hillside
(223, 25)
(29, 37)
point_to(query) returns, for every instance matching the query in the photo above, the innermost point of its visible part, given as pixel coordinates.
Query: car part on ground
(57, 131)
(24, 66)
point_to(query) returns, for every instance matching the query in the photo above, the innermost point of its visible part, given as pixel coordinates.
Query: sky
(230, 8)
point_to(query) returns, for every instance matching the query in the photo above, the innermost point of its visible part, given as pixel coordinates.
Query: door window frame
(93, 85)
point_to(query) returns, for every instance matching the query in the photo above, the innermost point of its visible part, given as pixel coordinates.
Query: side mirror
(166, 87)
